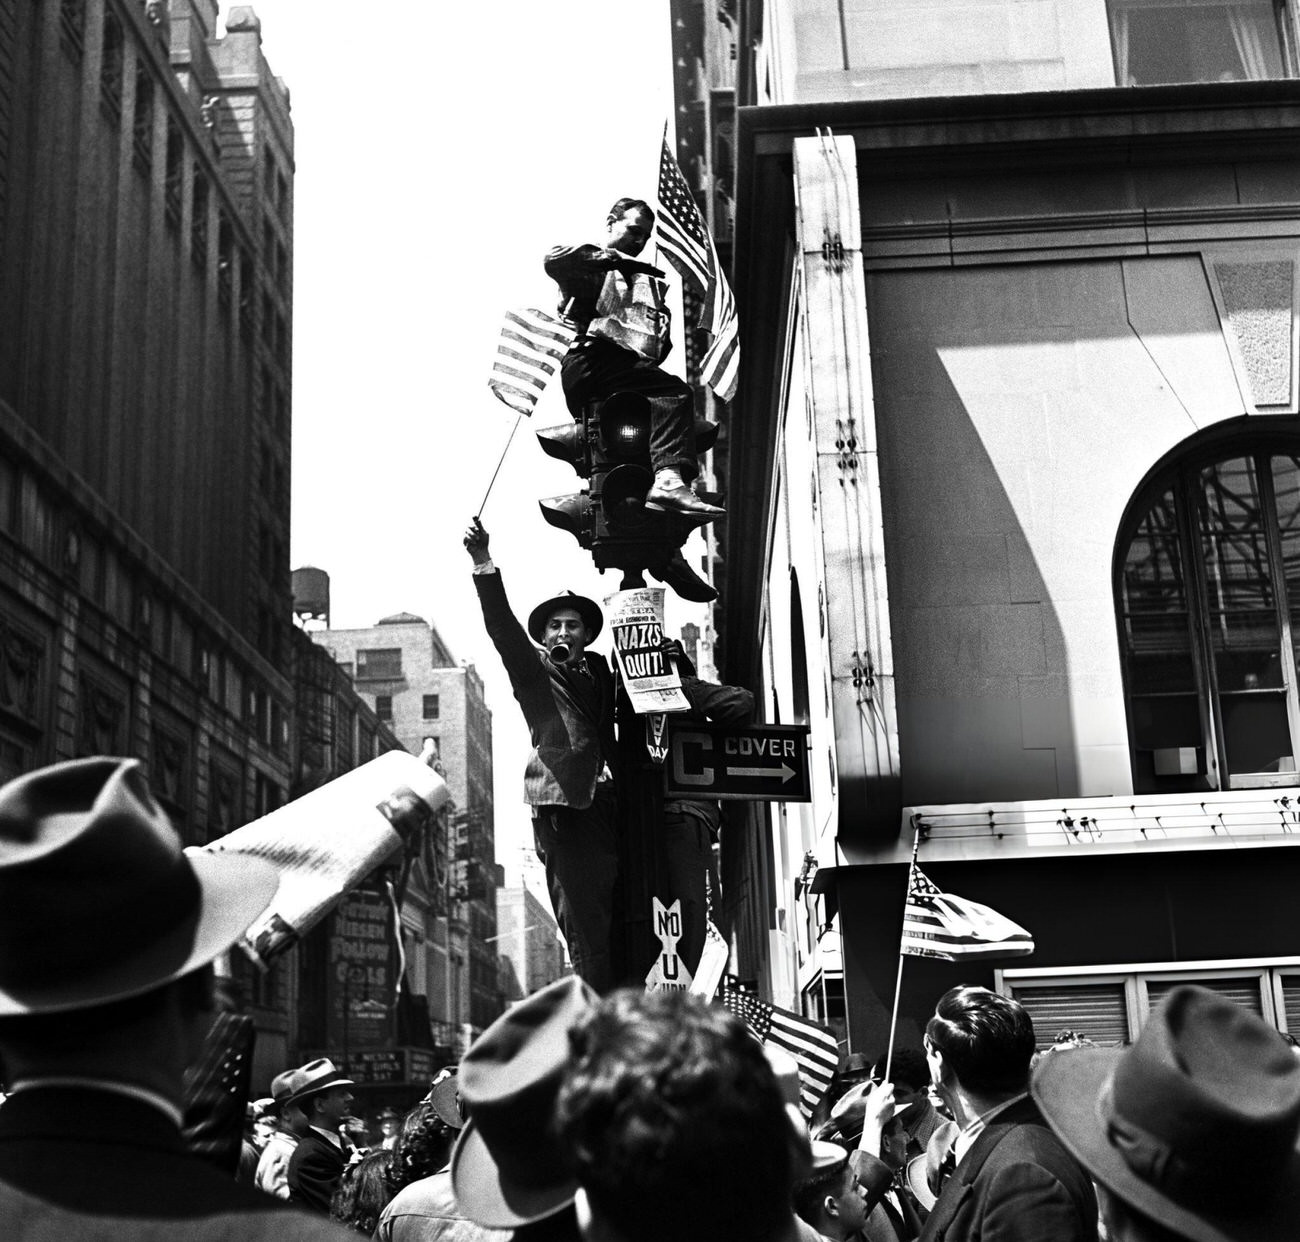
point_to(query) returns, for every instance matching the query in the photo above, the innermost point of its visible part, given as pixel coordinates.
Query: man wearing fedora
(1192, 1132)
(1013, 1180)
(272, 1173)
(567, 696)
(317, 1164)
(108, 931)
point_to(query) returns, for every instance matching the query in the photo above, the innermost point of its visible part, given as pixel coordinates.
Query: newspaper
(636, 619)
(325, 842)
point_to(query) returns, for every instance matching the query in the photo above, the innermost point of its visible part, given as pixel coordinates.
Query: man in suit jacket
(107, 934)
(317, 1164)
(1013, 1180)
(567, 696)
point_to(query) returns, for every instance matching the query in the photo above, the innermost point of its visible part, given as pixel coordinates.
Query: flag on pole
(530, 350)
(814, 1048)
(686, 243)
(938, 924)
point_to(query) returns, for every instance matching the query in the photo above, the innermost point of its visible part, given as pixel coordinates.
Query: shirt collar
(129, 1089)
(966, 1139)
(331, 1135)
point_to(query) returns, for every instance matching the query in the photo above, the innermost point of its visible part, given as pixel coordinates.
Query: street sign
(752, 763)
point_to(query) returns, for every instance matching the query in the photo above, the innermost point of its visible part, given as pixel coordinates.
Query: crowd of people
(630, 1117)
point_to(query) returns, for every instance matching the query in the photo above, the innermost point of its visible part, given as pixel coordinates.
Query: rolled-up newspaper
(325, 842)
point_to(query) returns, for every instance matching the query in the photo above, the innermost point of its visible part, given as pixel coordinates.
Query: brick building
(146, 251)
(406, 672)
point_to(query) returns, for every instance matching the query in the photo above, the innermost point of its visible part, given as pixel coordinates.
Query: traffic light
(611, 447)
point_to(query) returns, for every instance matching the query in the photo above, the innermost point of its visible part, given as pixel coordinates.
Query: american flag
(689, 248)
(531, 347)
(813, 1047)
(938, 924)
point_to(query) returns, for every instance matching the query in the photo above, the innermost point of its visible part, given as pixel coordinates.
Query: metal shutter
(1291, 1002)
(1094, 1010)
(1244, 991)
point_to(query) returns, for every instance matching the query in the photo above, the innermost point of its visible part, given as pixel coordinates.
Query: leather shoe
(676, 573)
(680, 499)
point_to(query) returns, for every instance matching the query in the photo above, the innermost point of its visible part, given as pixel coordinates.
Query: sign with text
(362, 972)
(636, 620)
(669, 973)
(752, 763)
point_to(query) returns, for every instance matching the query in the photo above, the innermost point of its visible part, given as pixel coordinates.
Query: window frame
(1180, 474)
(1271, 973)
(1284, 18)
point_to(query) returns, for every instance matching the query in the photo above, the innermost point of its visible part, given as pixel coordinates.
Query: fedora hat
(1194, 1126)
(285, 1086)
(586, 608)
(444, 1098)
(315, 1077)
(922, 1172)
(507, 1169)
(98, 902)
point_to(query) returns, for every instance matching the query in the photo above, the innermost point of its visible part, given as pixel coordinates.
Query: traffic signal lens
(625, 425)
(623, 497)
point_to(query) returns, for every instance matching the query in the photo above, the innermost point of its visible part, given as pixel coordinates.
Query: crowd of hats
(1194, 1126)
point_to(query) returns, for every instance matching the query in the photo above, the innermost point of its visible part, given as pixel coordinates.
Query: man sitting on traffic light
(618, 306)
(567, 697)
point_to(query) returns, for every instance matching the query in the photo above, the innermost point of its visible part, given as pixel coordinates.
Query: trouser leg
(593, 370)
(580, 852)
(690, 860)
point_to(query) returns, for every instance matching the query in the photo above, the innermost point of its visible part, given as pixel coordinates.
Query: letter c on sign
(680, 776)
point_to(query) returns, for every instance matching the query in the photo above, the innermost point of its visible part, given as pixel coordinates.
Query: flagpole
(497, 471)
(898, 982)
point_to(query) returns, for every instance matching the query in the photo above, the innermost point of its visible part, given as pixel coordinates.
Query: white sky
(441, 149)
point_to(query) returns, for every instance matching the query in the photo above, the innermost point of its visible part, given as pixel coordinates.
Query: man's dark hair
(675, 1123)
(809, 1194)
(907, 1068)
(986, 1039)
(624, 205)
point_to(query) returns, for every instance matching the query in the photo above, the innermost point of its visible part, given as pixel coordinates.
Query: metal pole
(898, 983)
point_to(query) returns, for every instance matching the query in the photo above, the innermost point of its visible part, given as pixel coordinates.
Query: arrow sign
(761, 762)
(783, 772)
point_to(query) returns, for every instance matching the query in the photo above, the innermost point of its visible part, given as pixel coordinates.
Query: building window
(430, 709)
(384, 706)
(1109, 1005)
(380, 663)
(110, 68)
(142, 117)
(72, 27)
(1208, 597)
(1160, 41)
(199, 222)
(173, 180)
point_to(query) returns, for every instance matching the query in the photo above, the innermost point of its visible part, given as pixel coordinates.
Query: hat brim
(493, 1200)
(919, 1184)
(307, 1092)
(233, 889)
(1067, 1087)
(587, 609)
(442, 1099)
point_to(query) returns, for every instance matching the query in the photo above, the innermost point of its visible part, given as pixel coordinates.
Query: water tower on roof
(311, 597)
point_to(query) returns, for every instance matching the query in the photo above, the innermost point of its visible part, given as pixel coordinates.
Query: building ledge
(979, 831)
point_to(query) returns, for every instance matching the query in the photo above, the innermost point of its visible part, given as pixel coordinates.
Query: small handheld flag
(953, 929)
(813, 1047)
(529, 352)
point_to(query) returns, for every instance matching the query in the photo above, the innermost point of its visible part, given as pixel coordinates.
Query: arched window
(1208, 597)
